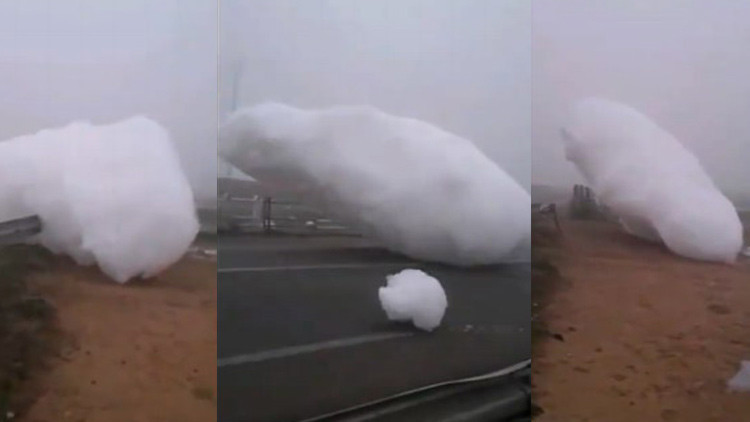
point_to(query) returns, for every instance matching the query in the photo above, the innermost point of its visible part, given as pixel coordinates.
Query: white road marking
(317, 267)
(308, 348)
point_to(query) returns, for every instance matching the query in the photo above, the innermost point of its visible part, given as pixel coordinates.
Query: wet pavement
(301, 331)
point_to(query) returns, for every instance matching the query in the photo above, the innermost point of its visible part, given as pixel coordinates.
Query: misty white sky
(684, 63)
(462, 65)
(105, 61)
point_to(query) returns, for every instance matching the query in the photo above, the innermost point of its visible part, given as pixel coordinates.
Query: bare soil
(27, 321)
(635, 333)
(144, 351)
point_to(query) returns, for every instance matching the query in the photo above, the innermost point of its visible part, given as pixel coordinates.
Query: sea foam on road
(112, 195)
(414, 187)
(651, 181)
(413, 295)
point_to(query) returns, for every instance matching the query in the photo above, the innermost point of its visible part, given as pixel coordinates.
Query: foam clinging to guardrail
(112, 195)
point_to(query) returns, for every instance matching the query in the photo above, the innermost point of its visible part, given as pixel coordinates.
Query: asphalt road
(301, 331)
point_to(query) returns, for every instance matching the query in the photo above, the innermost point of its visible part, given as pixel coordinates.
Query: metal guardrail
(549, 210)
(281, 216)
(18, 230)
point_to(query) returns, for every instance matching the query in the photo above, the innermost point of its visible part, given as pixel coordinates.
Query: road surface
(301, 331)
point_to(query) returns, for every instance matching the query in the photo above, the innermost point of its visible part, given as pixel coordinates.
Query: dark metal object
(550, 210)
(266, 215)
(18, 230)
(496, 399)
(584, 205)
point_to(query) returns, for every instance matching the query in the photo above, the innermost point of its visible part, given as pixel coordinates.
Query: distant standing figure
(266, 215)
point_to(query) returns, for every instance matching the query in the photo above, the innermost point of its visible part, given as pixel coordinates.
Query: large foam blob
(112, 195)
(657, 187)
(418, 189)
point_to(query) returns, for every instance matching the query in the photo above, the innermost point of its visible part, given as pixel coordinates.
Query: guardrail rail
(268, 215)
(18, 230)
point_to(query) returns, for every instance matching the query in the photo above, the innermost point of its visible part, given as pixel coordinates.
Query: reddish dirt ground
(145, 351)
(640, 334)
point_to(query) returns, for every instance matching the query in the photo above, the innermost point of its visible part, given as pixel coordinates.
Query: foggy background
(684, 63)
(105, 61)
(462, 65)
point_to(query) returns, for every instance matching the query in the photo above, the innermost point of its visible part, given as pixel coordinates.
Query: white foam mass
(113, 195)
(646, 176)
(741, 380)
(416, 188)
(412, 295)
